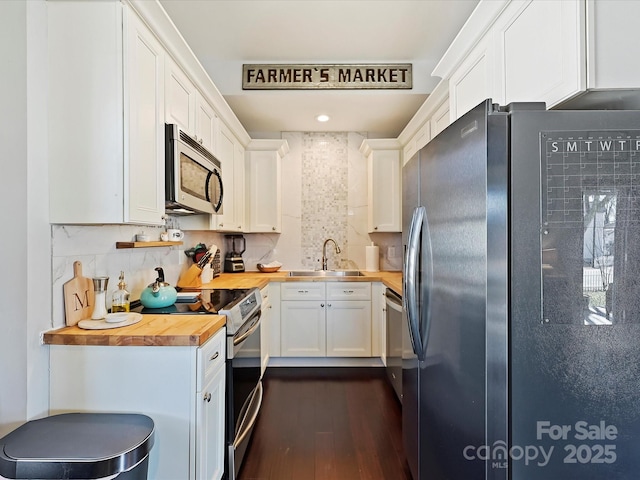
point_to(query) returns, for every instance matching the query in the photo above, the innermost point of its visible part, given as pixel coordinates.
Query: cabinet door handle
(322, 305)
(214, 356)
(348, 292)
(303, 291)
(328, 304)
(207, 397)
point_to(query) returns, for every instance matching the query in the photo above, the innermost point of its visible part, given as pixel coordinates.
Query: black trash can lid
(76, 446)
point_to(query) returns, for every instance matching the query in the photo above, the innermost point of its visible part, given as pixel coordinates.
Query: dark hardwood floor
(327, 424)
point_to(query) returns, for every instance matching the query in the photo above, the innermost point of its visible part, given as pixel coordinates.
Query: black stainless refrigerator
(522, 294)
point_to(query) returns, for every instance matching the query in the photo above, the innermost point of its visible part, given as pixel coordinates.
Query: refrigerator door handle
(410, 285)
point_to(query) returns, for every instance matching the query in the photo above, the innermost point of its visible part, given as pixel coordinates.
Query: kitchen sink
(326, 273)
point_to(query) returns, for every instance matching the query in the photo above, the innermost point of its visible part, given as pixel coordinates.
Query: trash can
(79, 446)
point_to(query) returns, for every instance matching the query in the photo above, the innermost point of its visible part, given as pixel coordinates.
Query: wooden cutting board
(78, 296)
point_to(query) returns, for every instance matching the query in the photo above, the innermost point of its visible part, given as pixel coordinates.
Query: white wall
(13, 185)
(25, 306)
(38, 242)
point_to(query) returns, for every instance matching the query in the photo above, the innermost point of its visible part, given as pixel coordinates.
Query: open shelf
(146, 244)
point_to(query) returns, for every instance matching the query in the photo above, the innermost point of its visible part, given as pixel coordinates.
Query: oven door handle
(252, 409)
(238, 340)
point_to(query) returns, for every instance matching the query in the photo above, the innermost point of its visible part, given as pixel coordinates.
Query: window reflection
(598, 254)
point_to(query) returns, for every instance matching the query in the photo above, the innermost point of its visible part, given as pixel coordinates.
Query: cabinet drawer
(349, 291)
(210, 358)
(302, 291)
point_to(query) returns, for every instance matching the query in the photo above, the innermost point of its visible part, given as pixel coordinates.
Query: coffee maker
(236, 246)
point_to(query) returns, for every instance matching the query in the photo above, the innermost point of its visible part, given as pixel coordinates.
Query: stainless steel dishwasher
(394, 340)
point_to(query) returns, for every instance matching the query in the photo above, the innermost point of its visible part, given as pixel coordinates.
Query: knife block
(190, 278)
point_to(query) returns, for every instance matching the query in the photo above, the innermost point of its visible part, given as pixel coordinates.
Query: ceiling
(225, 34)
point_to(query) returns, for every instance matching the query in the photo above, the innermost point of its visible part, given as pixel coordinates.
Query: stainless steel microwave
(193, 176)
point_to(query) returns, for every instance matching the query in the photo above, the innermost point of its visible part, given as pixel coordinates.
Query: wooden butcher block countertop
(194, 330)
(392, 280)
(152, 330)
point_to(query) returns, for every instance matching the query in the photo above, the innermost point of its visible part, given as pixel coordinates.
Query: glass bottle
(120, 298)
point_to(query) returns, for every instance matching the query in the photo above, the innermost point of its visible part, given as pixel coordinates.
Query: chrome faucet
(324, 251)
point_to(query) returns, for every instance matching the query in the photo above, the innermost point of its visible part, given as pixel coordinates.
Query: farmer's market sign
(311, 77)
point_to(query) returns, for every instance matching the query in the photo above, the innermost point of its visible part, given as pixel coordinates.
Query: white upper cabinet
(144, 113)
(231, 155)
(430, 119)
(473, 80)
(180, 97)
(207, 124)
(106, 112)
(383, 185)
(541, 47)
(565, 53)
(264, 185)
(612, 55)
(187, 107)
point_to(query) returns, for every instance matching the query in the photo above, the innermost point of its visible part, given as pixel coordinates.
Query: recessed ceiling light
(322, 118)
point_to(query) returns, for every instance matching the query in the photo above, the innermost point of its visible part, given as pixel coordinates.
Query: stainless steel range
(242, 308)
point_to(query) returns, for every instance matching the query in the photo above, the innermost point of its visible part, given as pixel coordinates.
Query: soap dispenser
(120, 298)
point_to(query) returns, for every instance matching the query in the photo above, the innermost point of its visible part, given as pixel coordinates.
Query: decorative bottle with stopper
(120, 298)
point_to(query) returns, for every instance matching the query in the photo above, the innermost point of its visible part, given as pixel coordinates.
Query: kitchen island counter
(152, 330)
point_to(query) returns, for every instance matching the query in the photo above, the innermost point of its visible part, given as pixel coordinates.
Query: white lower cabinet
(209, 423)
(303, 328)
(182, 388)
(349, 328)
(325, 320)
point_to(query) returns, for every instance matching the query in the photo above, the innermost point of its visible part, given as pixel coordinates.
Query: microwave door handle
(215, 172)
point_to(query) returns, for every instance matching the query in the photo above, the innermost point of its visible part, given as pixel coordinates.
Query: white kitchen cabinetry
(473, 80)
(181, 388)
(384, 184)
(180, 97)
(187, 107)
(207, 123)
(348, 319)
(325, 320)
(210, 408)
(440, 119)
(429, 120)
(541, 47)
(264, 185)
(231, 155)
(106, 115)
(566, 53)
(302, 319)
